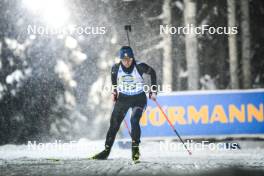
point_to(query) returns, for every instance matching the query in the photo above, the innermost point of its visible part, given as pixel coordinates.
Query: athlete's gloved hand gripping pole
(153, 96)
(114, 95)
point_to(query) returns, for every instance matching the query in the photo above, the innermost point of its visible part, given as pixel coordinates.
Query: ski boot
(135, 153)
(103, 155)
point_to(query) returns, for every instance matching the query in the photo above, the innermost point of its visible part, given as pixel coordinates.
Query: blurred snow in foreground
(155, 159)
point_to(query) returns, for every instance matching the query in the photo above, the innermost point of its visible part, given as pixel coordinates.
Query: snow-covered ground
(157, 158)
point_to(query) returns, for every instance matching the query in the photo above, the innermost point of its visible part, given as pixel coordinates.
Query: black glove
(114, 95)
(153, 95)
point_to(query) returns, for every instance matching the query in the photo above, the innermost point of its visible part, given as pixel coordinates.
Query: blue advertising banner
(205, 113)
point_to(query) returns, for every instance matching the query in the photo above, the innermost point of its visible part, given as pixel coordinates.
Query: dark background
(40, 103)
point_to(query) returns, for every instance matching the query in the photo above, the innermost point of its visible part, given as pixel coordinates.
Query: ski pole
(128, 29)
(190, 153)
(127, 127)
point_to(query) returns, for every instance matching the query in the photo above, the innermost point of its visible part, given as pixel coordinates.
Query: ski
(61, 159)
(136, 161)
(53, 159)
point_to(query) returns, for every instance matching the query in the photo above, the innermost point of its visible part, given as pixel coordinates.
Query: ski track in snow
(19, 160)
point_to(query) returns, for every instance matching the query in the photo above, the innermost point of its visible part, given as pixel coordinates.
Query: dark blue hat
(126, 51)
